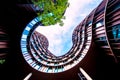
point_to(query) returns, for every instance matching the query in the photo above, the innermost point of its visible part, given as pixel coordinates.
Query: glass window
(39, 59)
(99, 23)
(87, 46)
(56, 70)
(36, 47)
(24, 50)
(59, 69)
(24, 36)
(45, 70)
(119, 31)
(89, 23)
(50, 69)
(102, 38)
(117, 6)
(27, 28)
(116, 31)
(89, 37)
(23, 39)
(30, 61)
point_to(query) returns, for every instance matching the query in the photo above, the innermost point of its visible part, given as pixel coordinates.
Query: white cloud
(60, 38)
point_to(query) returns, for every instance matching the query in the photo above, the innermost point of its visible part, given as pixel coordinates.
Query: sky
(60, 38)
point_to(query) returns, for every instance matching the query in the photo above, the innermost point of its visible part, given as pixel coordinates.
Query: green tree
(51, 11)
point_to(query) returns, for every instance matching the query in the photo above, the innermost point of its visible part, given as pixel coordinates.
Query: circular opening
(60, 40)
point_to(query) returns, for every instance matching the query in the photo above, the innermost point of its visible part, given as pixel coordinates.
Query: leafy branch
(51, 11)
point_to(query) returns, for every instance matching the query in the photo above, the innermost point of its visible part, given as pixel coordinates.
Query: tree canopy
(51, 11)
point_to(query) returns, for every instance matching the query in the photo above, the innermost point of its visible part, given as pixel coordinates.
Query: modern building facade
(96, 47)
(4, 44)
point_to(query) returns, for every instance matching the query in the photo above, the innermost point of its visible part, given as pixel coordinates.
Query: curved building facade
(38, 56)
(106, 27)
(96, 46)
(102, 25)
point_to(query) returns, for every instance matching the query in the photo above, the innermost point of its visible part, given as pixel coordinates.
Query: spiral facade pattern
(101, 26)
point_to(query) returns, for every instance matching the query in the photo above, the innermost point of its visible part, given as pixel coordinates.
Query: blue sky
(60, 38)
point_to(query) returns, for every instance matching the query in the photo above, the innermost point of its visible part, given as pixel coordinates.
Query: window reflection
(116, 31)
(102, 38)
(89, 23)
(99, 23)
(116, 6)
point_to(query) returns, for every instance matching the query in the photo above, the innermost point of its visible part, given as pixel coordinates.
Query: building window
(102, 38)
(89, 37)
(89, 23)
(99, 23)
(116, 7)
(116, 31)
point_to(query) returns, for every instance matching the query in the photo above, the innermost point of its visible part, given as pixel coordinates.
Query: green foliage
(2, 61)
(51, 11)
